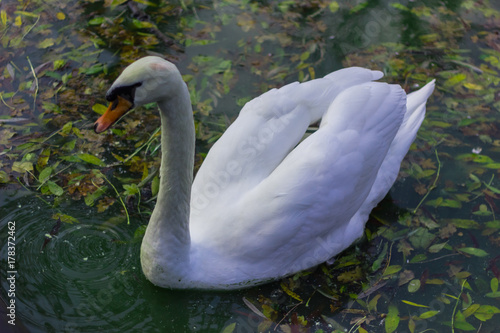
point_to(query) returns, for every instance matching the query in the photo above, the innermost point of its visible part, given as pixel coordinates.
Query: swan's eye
(115, 104)
(126, 92)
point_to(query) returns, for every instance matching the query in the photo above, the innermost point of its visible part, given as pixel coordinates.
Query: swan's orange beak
(116, 109)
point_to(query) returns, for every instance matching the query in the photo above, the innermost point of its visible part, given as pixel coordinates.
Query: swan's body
(264, 204)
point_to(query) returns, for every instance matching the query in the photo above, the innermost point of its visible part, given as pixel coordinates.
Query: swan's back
(266, 130)
(263, 201)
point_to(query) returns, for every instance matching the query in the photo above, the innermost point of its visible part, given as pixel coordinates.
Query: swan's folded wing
(312, 195)
(389, 169)
(264, 133)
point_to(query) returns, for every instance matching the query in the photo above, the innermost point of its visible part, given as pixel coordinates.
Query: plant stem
(36, 82)
(119, 197)
(455, 309)
(433, 186)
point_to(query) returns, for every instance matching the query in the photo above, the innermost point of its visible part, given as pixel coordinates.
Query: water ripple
(87, 274)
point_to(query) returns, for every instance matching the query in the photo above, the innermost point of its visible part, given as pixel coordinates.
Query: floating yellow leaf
(3, 16)
(471, 309)
(99, 108)
(290, 293)
(472, 86)
(65, 218)
(18, 22)
(349, 276)
(147, 3)
(229, 328)
(143, 24)
(455, 79)
(22, 167)
(333, 6)
(23, 13)
(60, 16)
(47, 42)
(43, 158)
(414, 304)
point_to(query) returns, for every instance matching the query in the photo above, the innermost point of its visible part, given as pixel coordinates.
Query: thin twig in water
(36, 83)
(118, 195)
(279, 322)
(439, 258)
(433, 186)
(455, 309)
(5, 103)
(151, 137)
(31, 28)
(357, 324)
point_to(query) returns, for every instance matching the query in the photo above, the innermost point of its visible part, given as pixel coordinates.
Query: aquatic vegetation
(429, 260)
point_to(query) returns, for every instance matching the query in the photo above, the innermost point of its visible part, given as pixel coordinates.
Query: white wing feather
(309, 193)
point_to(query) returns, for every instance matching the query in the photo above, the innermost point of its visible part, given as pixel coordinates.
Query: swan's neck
(166, 243)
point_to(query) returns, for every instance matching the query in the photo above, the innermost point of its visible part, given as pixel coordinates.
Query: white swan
(265, 204)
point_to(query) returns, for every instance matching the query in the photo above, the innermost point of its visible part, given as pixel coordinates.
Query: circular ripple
(84, 279)
(87, 251)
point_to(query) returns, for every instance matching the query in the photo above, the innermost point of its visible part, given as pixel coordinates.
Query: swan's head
(146, 80)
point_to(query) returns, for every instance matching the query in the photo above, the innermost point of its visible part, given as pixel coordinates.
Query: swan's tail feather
(415, 105)
(415, 113)
(388, 172)
(419, 97)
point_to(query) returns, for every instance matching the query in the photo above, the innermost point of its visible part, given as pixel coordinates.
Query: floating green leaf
(473, 251)
(392, 319)
(486, 312)
(421, 238)
(463, 223)
(46, 43)
(97, 21)
(372, 305)
(455, 79)
(495, 294)
(471, 309)
(54, 188)
(22, 167)
(392, 270)
(437, 247)
(229, 328)
(494, 284)
(91, 159)
(428, 314)
(155, 185)
(418, 258)
(45, 174)
(414, 285)
(377, 263)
